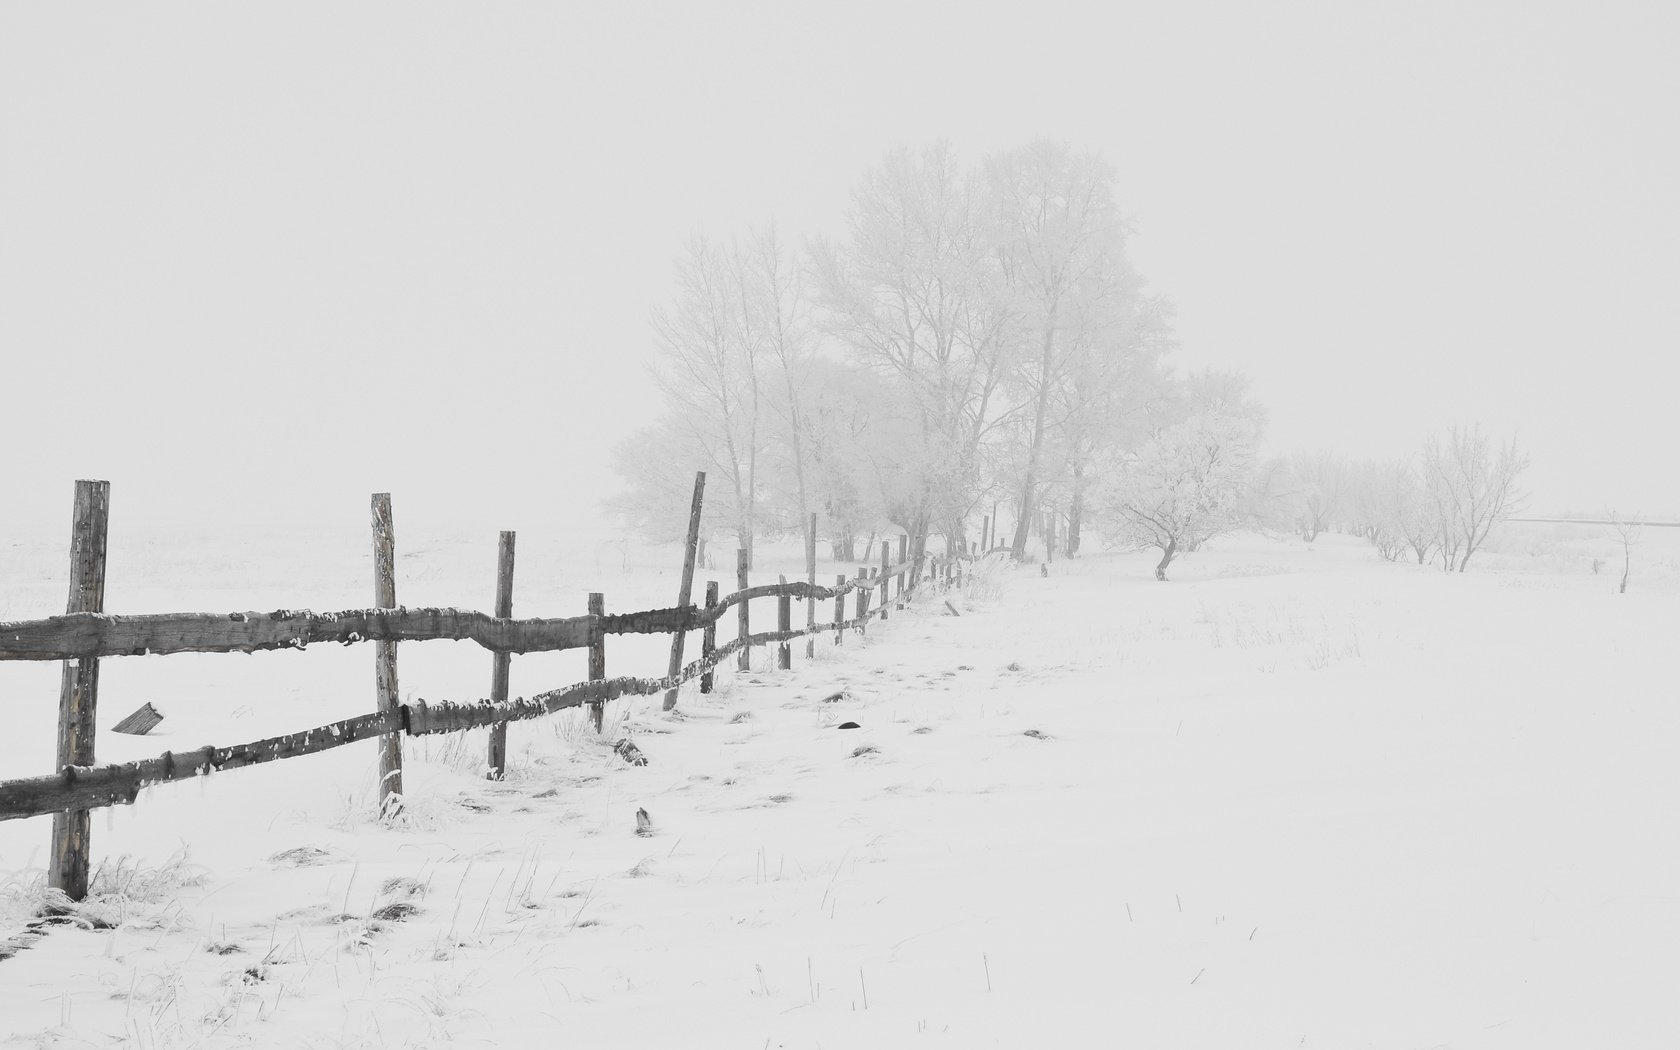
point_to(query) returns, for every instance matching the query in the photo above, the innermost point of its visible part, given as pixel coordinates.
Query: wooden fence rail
(80, 636)
(93, 787)
(85, 634)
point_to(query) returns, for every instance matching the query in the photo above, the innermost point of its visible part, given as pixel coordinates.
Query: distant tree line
(978, 345)
(978, 341)
(1437, 506)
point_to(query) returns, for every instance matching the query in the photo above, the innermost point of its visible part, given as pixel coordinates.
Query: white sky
(267, 260)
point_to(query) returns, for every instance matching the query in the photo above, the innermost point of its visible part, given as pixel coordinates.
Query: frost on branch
(1184, 486)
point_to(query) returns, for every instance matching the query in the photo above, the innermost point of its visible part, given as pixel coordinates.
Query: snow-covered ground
(1295, 797)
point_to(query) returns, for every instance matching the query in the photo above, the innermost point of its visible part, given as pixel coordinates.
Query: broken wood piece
(952, 608)
(141, 722)
(627, 750)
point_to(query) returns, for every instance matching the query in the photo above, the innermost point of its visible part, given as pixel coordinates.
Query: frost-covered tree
(1184, 486)
(657, 465)
(914, 293)
(1112, 399)
(1272, 500)
(775, 324)
(1075, 300)
(977, 336)
(840, 436)
(712, 370)
(1471, 486)
(1322, 479)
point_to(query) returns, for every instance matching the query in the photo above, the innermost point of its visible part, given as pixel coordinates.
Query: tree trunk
(1040, 410)
(956, 536)
(844, 545)
(1076, 511)
(1166, 558)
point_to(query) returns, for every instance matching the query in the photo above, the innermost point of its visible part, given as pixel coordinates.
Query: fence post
(708, 637)
(985, 530)
(385, 655)
(743, 661)
(784, 622)
(839, 610)
(686, 589)
(903, 574)
(863, 592)
(501, 663)
(597, 656)
(886, 581)
(811, 578)
(78, 690)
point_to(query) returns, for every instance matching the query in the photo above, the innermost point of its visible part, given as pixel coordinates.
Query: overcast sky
(260, 260)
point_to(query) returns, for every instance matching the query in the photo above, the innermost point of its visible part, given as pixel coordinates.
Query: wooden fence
(85, 634)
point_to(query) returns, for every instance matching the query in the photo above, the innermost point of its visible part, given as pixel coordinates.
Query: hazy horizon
(258, 263)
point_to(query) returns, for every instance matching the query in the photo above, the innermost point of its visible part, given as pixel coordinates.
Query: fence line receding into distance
(85, 634)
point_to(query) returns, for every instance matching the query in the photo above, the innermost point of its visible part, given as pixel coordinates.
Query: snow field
(1293, 798)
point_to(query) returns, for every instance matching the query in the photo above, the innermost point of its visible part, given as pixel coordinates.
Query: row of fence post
(78, 695)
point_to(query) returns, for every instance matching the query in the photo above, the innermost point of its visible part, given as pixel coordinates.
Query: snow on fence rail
(85, 634)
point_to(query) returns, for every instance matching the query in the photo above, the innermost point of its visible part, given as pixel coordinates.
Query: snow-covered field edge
(1295, 797)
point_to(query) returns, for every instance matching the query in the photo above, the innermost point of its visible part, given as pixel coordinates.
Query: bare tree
(1471, 486)
(657, 465)
(711, 369)
(773, 311)
(1627, 533)
(1406, 513)
(915, 294)
(836, 429)
(1060, 243)
(1322, 478)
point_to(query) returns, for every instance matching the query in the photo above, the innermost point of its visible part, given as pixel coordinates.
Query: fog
(258, 263)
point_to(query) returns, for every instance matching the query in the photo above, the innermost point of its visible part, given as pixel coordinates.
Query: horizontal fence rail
(85, 787)
(88, 635)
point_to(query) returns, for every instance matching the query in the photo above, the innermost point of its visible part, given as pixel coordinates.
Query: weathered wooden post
(985, 530)
(811, 578)
(597, 657)
(886, 581)
(686, 589)
(784, 623)
(78, 690)
(903, 557)
(839, 610)
(501, 663)
(385, 655)
(742, 630)
(863, 593)
(708, 637)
